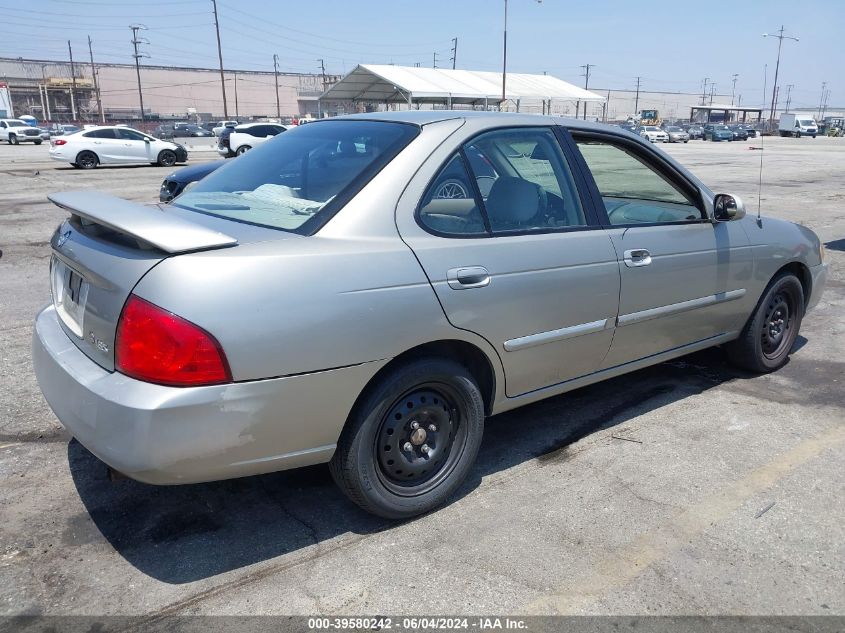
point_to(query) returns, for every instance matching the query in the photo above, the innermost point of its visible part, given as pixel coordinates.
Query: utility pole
(276, 75)
(586, 68)
(323, 75)
(96, 84)
(824, 103)
(704, 91)
(788, 95)
(733, 87)
(46, 94)
(821, 99)
(72, 82)
(454, 58)
(220, 58)
(637, 101)
(236, 96)
(135, 41)
(435, 60)
(712, 90)
(780, 37)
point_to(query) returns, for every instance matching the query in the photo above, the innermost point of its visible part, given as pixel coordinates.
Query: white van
(797, 125)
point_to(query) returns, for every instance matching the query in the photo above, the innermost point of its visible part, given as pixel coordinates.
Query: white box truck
(798, 125)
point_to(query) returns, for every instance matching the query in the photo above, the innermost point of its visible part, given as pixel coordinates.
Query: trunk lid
(104, 248)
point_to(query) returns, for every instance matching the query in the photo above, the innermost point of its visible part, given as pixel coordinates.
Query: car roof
(495, 119)
(243, 125)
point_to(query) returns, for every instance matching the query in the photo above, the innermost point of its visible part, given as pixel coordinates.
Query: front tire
(13, 139)
(87, 160)
(412, 440)
(166, 158)
(768, 336)
(243, 149)
(38, 142)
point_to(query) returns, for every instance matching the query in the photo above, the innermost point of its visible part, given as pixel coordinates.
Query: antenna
(760, 178)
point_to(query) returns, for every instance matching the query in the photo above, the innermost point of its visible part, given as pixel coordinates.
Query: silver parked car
(676, 134)
(320, 299)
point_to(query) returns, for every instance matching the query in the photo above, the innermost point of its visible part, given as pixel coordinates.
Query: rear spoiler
(151, 224)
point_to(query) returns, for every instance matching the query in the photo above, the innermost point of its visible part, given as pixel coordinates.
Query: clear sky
(671, 44)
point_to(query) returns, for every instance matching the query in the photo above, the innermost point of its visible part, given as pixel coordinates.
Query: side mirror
(727, 207)
(146, 139)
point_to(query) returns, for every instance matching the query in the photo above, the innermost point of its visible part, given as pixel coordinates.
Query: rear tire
(166, 158)
(87, 160)
(768, 336)
(412, 440)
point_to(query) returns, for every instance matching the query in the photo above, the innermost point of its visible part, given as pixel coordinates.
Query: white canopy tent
(414, 86)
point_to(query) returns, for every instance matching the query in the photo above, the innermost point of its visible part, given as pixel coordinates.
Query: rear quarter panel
(350, 294)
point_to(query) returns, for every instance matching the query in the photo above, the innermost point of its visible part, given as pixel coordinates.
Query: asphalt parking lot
(686, 488)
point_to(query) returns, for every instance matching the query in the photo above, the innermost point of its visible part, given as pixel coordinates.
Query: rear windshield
(298, 180)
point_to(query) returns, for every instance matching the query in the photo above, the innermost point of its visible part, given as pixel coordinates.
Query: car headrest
(514, 201)
(347, 147)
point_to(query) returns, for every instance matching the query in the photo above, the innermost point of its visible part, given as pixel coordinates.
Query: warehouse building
(50, 90)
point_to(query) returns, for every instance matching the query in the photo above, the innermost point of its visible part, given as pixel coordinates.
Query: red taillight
(60, 141)
(157, 346)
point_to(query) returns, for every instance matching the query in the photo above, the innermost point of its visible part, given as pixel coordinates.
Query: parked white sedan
(115, 145)
(654, 134)
(246, 136)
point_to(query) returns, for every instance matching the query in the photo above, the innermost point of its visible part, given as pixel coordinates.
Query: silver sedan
(677, 134)
(321, 299)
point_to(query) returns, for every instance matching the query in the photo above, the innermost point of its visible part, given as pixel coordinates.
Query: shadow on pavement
(835, 245)
(185, 533)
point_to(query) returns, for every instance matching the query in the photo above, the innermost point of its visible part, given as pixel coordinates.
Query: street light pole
(276, 74)
(780, 37)
(505, 54)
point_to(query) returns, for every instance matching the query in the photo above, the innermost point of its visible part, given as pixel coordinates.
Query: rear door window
(107, 133)
(298, 180)
(520, 182)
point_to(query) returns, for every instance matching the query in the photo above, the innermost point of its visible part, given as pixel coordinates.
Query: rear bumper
(170, 435)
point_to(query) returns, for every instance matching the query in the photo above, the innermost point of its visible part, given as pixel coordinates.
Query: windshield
(17, 123)
(807, 122)
(721, 127)
(298, 180)
(651, 128)
(673, 129)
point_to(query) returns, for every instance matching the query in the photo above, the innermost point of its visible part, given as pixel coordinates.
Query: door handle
(467, 277)
(637, 257)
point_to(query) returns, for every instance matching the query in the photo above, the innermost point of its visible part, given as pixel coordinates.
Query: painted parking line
(622, 565)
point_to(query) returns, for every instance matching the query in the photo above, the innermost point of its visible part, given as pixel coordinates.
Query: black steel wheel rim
(777, 325)
(420, 439)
